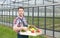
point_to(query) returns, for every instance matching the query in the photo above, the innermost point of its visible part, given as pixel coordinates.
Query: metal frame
(33, 15)
(53, 20)
(45, 21)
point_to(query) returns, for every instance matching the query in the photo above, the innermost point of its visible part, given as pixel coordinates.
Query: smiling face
(21, 12)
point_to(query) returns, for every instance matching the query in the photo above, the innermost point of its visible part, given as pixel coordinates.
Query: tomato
(32, 31)
(38, 30)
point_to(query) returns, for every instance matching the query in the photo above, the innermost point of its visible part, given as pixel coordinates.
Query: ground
(7, 32)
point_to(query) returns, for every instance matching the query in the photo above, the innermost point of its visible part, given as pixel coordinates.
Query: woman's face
(21, 12)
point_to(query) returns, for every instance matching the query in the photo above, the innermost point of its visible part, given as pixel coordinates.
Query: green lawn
(6, 32)
(49, 21)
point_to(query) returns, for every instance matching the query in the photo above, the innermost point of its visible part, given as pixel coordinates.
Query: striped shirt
(20, 22)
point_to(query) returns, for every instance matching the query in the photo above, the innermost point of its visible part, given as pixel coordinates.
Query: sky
(31, 1)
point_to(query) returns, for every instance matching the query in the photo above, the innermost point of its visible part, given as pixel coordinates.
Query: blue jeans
(22, 36)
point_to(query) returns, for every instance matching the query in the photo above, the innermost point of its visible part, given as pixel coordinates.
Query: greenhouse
(44, 14)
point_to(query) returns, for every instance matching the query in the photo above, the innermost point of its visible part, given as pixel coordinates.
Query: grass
(6, 32)
(49, 21)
